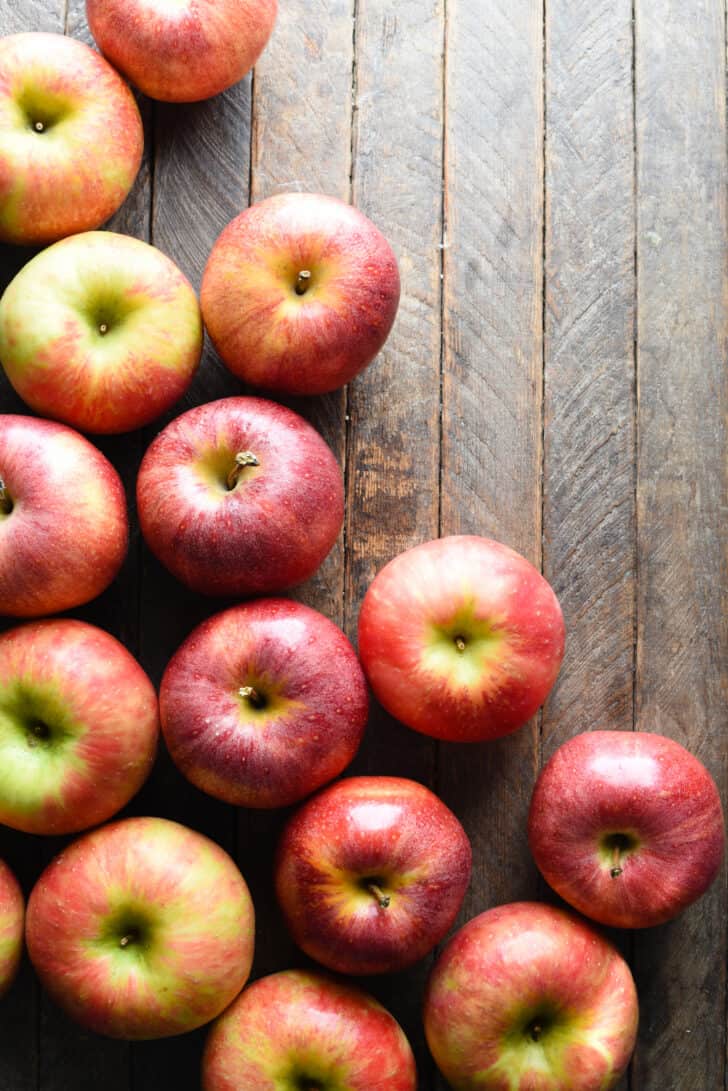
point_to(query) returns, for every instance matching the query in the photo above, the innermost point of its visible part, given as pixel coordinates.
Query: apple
(300, 293)
(627, 826)
(141, 929)
(461, 638)
(240, 497)
(12, 919)
(263, 704)
(78, 726)
(72, 138)
(182, 50)
(526, 997)
(370, 874)
(302, 1031)
(63, 521)
(101, 331)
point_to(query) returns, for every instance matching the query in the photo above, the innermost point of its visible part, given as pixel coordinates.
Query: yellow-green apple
(141, 929)
(302, 1031)
(264, 703)
(300, 293)
(79, 725)
(101, 331)
(461, 638)
(182, 50)
(526, 997)
(240, 497)
(12, 920)
(627, 826)
(370, 874)
(63, 521)
(71, 138)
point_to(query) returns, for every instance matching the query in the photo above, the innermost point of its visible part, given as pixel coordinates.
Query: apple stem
(39, 127)
(536, 1031)
(382, 898)
(242, 459)
(250, 693)
(459, 643)
(125, 941)
(103, 328)
(616, 869)
(303, 281)
(6, 504)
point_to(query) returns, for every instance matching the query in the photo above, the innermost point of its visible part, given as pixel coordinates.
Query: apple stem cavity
(303, 282)
(242, 459)
(383, 899)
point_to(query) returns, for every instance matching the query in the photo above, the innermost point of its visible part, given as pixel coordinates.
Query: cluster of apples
(143, 928)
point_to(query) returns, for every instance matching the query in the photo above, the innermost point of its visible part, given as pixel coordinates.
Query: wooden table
(554, 183)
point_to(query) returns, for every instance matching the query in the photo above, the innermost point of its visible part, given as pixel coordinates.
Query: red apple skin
(659, 801)
(297, 1029)
(77, 171)
(141, 929)
(526, 997)
(63, 521)
(315, 704)
(487, 597)
(272, 337)
(101, 331)
(185, 51)
(271, 530)
(79, 726)
(12, 920)
(387, 830)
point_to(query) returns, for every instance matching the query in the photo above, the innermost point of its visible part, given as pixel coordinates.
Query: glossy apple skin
(141, 929)
(297, 1029)
(75, 173)
(389, 830)
(66, 536)
(315, 703)
(101, 331)
(272, 337)
(78, 726)
(482, 593)
(12, 920)
(182, 51)
(518, 968)
(271, 530)
(639, 786)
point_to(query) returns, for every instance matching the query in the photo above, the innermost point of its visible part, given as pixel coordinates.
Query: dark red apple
(627, 826)
(12, 918)
(240, 497)
(264, 703)
(461, 638)
(370, 874)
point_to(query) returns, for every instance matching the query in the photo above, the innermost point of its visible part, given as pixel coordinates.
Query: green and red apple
(101, 331)
(182, 50)
(300, 293)
(141, 929)
(302, 1031)
(526, 997)
(71, 138)
(63, 520)
(12, 926)
(461, 638)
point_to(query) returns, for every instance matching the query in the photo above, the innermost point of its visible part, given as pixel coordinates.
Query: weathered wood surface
(553, 178)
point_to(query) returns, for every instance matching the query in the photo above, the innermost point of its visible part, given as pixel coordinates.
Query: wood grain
(682, 635)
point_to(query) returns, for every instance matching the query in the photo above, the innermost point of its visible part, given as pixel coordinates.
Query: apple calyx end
(303, 282)
(383, 899)
(242, 459)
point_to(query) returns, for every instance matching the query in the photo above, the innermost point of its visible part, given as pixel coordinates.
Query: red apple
(12, 918)
(141, 929)
(63, 521)
(300, 293)
(627, 827)
(240, 497)
(526, 997)
(461, 638)
(101, 331)
(264, 703)
(370, 874)
(78, 726)
(298, 1031)
(72, 138)
(182, 50)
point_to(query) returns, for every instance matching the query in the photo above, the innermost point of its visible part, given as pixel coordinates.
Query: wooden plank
(392, 501)
(492, 382)
(682, 634)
